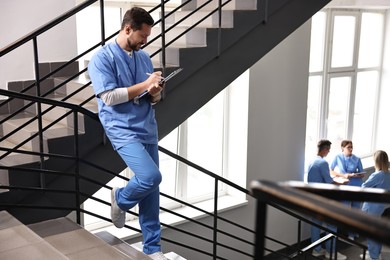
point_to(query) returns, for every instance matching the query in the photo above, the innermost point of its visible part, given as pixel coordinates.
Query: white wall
(19, 17)
(383, 126)
(277, 119)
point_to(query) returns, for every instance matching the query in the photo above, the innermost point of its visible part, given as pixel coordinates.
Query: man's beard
(134, 47)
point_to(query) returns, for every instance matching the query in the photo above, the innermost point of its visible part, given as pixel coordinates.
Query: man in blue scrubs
(318, 172)
(121, 71)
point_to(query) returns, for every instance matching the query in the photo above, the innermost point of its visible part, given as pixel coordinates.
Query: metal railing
(317, 201)
(77, 110)
(80, 196)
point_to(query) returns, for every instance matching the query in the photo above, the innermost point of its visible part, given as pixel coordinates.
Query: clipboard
(163, 80)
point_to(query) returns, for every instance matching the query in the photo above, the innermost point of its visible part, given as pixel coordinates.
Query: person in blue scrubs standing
(318, 172)
(379, 179)
(121, 71)
(349, 166)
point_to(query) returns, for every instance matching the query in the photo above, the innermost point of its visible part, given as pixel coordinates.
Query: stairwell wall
(383, 140)
(277, 120)
(20, 17)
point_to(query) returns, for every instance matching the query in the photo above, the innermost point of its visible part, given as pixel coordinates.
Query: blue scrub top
(350, 164)
(380, 180)
(318, 171)
(111, 67)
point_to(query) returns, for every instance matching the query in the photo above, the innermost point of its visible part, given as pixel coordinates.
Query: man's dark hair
(323, 144)
(135, 17)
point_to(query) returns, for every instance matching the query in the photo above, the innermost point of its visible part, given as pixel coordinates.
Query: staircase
(60, 238)
(212, 57)
(213, 53)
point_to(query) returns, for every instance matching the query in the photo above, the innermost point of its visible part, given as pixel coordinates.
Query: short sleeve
(101, 70)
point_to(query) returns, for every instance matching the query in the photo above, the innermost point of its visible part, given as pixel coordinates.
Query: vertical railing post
(215, 234)
(219, 28)
(163, 51)
(77, 165)
(39, 112)
(264, 10)
(261, 219)
(299, 236)
(102, 30)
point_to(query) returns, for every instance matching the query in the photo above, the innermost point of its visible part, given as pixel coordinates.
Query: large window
(345, 67)
(200, 139)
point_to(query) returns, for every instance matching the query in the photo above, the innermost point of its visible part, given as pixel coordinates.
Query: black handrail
(45, 27)
(295, 196)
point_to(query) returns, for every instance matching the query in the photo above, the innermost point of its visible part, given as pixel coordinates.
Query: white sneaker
(158, 256)
(339, 256)
(318, 253)
(118, 216)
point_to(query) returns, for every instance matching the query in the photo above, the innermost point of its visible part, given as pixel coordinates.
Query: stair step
(121, 245)
(232, 5)
(31, 128)
(172, 55)
(211, 21)
(194, 37)
(17, 241)
(74, 85)
(171, 255)
(74, 241)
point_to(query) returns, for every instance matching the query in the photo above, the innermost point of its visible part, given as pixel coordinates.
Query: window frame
(327, 73)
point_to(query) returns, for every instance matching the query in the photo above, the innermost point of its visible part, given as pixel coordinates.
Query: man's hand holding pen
(156, 87)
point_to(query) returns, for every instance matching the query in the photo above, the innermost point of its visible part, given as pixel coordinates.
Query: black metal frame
(317, 201)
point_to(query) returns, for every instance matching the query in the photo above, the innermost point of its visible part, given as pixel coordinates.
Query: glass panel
(338, 111)
(364, 111)
(204, 146)
(343, 41)
(313, 116)
(371, 40)
(168, 165)
(317, 41)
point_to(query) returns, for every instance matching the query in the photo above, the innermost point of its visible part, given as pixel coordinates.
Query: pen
(149, 74)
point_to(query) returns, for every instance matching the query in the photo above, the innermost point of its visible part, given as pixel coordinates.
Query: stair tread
(7, 220)
(13, 159)
(121, 245)
(17, 241)
(74, 241)
(33, 126)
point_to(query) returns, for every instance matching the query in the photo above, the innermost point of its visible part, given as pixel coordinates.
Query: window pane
(317, 42)
(364, 111)
(343, 41)
(312, 123)
(168, 165)
(204, 146)
(338, 111)
(371, 40)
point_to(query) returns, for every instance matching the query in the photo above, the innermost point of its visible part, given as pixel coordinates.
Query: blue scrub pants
(316, 235)
(374, 248)
(143, 189)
